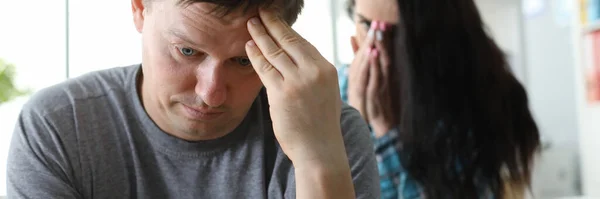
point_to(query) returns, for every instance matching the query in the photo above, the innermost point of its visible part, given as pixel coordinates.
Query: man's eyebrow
(182, 36)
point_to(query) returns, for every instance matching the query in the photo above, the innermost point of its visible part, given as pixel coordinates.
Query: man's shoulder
(361, 156)
(355, 129)
(91, 85)
(351, 118)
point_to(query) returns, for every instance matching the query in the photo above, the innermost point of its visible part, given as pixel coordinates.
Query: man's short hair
(290, 9)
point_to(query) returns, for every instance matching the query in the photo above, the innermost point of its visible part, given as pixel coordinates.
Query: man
(193, 120)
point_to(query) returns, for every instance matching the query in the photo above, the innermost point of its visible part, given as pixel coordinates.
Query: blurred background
(553, 47)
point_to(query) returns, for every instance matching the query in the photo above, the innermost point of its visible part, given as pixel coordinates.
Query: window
(101, 35)
(35, 44)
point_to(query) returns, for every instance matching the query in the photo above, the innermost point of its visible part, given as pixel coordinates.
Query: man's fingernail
(251, 43)
(379, 35)
(382, 26)
(255, 21)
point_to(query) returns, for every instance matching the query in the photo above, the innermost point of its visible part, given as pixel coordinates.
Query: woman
(449, 119)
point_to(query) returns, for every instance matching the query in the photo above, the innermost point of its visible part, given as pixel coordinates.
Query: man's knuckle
(330, 70)
(290, 38)
(262, 34)
(273, 19)
(276, 53)
(266, 67)
(254, 54)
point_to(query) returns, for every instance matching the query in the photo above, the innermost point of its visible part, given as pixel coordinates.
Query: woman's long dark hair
(465, 121)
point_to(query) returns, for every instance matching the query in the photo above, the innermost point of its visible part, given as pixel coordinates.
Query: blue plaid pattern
(343, 81)
(394, 181)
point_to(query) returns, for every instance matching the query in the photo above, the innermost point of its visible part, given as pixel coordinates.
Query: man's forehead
(213, 12)
(201, 20)
(201, 26)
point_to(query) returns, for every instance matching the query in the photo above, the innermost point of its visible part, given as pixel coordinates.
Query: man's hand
(368, 81)
(305, 106)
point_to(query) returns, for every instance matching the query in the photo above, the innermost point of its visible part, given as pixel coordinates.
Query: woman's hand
(368, 85)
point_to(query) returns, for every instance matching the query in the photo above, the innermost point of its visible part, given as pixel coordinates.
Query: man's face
(197, 81)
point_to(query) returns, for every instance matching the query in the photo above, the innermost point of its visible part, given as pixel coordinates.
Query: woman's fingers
(369, 41)
(359, 74)
(363, 71)
(371, 94)
(374, 82)
(360, 66)
(383, 55)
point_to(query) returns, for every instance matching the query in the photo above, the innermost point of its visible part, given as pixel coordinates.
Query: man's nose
(211, 84)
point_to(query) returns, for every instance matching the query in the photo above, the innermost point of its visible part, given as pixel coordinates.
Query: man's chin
(201, 130)
(196, 131)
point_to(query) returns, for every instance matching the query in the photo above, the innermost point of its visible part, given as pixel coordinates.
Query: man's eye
(187, 51)
(244, 61)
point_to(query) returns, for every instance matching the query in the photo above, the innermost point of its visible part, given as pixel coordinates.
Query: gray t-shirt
(90, 137)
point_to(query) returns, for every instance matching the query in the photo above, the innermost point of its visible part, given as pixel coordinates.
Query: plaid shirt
(394, 181)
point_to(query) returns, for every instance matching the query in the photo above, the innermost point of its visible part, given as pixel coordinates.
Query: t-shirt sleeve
(361, 155)
(38, 166)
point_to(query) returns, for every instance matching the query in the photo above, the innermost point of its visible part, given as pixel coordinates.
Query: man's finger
(273, 53)
(299, 50)
(279, 28)
(267, 73)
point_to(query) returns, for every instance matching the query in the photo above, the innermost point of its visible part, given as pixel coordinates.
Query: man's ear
(354, 43)
(138, 10)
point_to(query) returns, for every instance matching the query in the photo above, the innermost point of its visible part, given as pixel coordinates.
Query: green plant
(7, 87)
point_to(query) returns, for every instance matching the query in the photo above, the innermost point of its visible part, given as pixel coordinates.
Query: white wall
(344, 30)
(503, 21)
(33, 39)
(590, 159)
(540, 49)
(551, 85)
(589, 118)
(101, 35)
(552, 71)
(315, 24)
